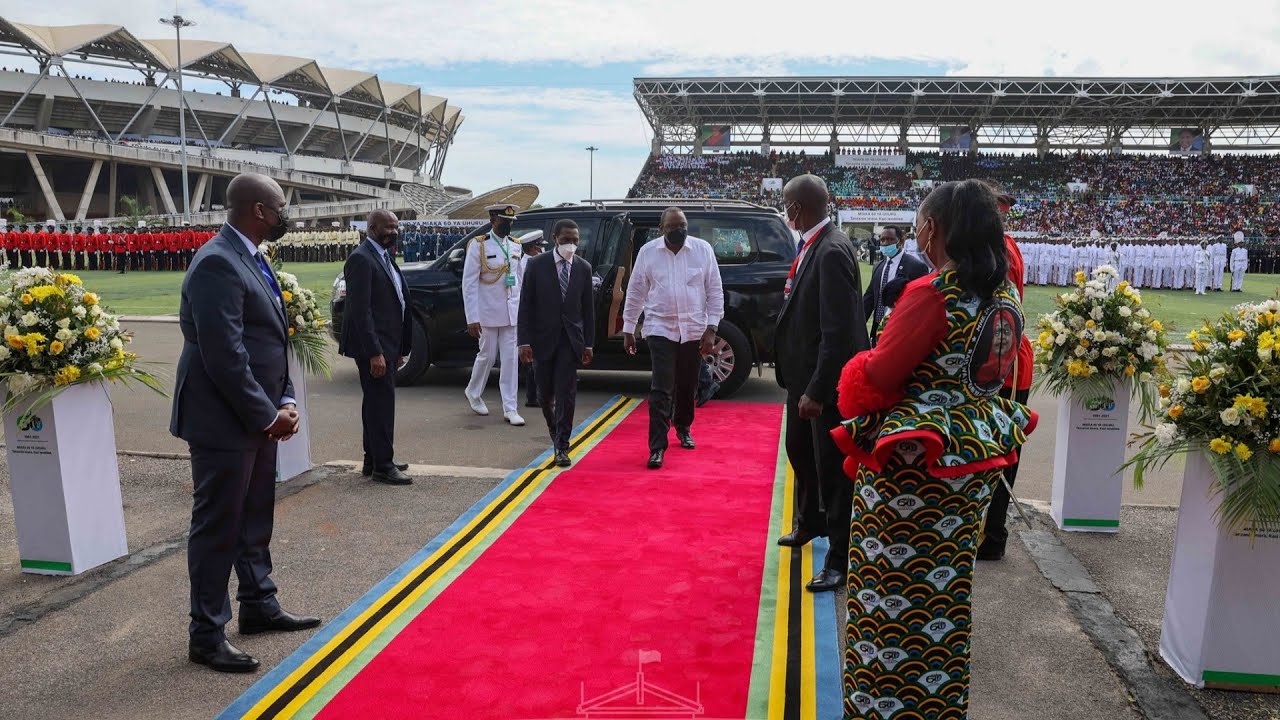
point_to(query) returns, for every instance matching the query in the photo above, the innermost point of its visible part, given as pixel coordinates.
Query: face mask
(281, 227)
(502, 228)
(677, 237)
(567, 251)
(388, 240)
(889, 250)
(791, 222)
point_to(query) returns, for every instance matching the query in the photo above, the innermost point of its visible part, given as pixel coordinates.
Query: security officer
(530, 246)
(491, 297)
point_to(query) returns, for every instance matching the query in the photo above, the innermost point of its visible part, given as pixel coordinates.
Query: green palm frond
(314, 352)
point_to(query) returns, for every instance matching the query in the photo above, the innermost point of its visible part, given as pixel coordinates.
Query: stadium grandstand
(90, 114)
(1133, 157)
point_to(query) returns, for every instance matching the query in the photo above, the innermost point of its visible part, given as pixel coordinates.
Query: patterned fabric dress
(925, 458)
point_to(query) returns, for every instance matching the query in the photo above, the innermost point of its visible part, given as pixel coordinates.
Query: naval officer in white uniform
(491, 298)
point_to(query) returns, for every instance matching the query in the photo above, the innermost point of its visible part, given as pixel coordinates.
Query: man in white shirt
(491, 300)
(676, 283)
(1218, 253)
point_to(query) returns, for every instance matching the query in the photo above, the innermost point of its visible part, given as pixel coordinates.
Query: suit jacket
(821, 324)
(544, 315)
(910, 267)
(234, 367)
(373, 323)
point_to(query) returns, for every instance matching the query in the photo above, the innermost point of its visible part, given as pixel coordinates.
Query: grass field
(156, 293)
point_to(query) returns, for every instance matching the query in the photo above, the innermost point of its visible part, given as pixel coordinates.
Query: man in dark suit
(232, 403)
(890, 277)
(556, 329)
(820, 327)
(377, 334)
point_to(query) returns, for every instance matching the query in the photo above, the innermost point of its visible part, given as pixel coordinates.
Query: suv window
(736, 240)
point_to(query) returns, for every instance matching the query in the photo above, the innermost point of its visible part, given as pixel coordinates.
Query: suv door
(610, 266)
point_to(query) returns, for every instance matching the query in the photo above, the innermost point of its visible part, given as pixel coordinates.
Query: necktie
(799, 245)
(564, 278)
(884, 280)
(269, 274)
(395, 279)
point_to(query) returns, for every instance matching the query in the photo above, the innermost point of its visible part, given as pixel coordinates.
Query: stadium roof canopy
(1240, 113)
(361, 93)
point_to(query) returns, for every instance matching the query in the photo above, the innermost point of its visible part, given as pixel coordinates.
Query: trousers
(497, 343)
(823, 493)
(378, 415)
(673, 388)
(557, 381)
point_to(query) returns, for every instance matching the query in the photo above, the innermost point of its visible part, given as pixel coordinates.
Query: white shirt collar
(253, 249)
(813, 231)
(381, 250)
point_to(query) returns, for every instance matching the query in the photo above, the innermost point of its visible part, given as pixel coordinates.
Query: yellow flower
(288, 296)
(1157, 325)
(1266, 340)
(17, 342)
(1194, 335)
(1175, 412)
(1200, 384)
(1243, 452)
(90, 299)
(1130, 370)
(1235, 335)
(1080, 277)
(1090, 324)
(43, 292)
(67, 375)
(1256, 407)
(290, 332)
(55, 347)
(1164, 389)
(1084, 342)
(1267, 319)
(67, 279)
(33, 343)
(27, 299)
(1220, 446)
(1274, 446)
(1122, 285)
(1199, 347)
(93, 333)
(1046, 340)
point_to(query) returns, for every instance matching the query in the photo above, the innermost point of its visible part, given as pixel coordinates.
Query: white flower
(116, 344)
(79, 312)
(64, 335)
(1148, 350)
(1080, 351)
(1151, 335)
(1166, 433)
(21, 382)
(1096, 313)
(10, 331)
(4, 353)
(64, 323)
(1144, 313)
(5, 302)
(1217, 372)
(1125, 311)
(1105, 271)
(1264, 354)
(29, 319)
(1183, 386)
(1058, 327)
(1061, 339)
(94, 368)
(1110, 352)
(1165, 403)
(1230, 416)
(1144, 377)
(1042, 368)
(95, 311)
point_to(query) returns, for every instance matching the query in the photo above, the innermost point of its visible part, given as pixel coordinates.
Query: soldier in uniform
(491, 297)
(1239, 264)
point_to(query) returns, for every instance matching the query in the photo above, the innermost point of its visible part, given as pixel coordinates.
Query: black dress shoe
(686, 440)
(392, 477)
(825, 580)
(532, 403)
(991, 551)
(562, 459)
(799, 538)
(223, 657)
(655, 459)
(280, 622)
(367, 470)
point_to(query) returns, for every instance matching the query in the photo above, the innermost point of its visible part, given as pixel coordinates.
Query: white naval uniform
(1218, 253)
(1115, 260)
(1203, 260)
(496, 307)
(1239, 264)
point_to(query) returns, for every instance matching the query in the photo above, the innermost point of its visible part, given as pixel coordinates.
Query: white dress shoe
(478, 405)
(514, 418)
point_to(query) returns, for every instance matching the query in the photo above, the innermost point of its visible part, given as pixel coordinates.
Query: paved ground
(111, 643)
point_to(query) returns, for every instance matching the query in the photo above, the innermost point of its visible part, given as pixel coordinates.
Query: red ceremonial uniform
(23, 242)
(11, 240)
(40, 241)
(78, 242)
(187, 240)
(173, 241)
(64, 242)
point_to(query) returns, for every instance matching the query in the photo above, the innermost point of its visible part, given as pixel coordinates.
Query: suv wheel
(419, 360)
(731, 359)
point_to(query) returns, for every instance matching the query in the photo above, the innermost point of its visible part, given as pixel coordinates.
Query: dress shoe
(223, 657)
(280, 622)
(367, 469)
(686, 439)
(514, 418)
(562, 459)
(825, 580)
(990, 551)
(392, 477)
(798, 538)
(532, 403)
(477, 405)
(655, 459)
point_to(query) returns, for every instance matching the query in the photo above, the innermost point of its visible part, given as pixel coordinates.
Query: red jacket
(24, 241)
(1026, 356)
(39, 240)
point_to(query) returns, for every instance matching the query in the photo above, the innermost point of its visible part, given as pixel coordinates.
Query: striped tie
(564, 278)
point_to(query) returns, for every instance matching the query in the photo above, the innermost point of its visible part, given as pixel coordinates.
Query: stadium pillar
(198, 195)
(90, 184)
(111, 190)
(834, 147)
(50, 199)
(163, 186)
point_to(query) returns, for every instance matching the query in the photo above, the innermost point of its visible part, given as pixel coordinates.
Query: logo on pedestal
(1099, 404)
(30, 423)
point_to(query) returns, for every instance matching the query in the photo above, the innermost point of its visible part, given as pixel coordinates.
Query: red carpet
(610, 559)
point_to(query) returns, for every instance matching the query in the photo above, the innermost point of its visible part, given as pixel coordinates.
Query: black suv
(753, 245)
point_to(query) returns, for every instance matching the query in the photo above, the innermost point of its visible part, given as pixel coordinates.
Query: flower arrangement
(1225, 403)
(308, 337)
(57, 334)
(1099, 336)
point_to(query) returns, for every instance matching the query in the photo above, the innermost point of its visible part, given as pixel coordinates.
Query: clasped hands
(286, 424)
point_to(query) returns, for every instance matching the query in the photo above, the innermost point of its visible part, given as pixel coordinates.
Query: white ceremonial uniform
(1203, 262)
(1239, 265)
(1218, 253)
(1115, 260)
(494, 302)
(1044, 258)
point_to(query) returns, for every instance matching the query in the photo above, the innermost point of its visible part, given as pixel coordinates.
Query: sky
(541, 80)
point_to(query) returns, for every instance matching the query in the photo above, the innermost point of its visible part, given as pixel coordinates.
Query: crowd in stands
(1060, 194)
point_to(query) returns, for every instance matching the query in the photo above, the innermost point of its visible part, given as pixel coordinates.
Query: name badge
(510, 281)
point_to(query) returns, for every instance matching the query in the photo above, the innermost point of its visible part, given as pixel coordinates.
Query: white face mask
(567, 251)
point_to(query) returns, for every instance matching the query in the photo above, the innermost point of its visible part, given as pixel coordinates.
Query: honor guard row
(316, 245)
(103, 248)
(1160, 263)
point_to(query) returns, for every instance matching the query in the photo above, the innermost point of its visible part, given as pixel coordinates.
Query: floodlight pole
(178, 22)
(591, 194)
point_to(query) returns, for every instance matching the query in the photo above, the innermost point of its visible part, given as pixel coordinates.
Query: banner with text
(878, 217)
(871, 161)
(768, 184)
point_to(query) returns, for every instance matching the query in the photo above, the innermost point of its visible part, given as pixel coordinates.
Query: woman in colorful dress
(926, 439)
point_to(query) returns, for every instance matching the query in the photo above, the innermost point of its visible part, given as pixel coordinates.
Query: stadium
(89, 114)
(1129, 157)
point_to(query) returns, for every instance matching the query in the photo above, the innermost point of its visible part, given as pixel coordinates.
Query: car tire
(419, 360)
(731, 359)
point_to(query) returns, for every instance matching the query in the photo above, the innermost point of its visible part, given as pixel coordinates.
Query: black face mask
(388, 240)
(677, 237)
(502, 228)
(281, 227)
